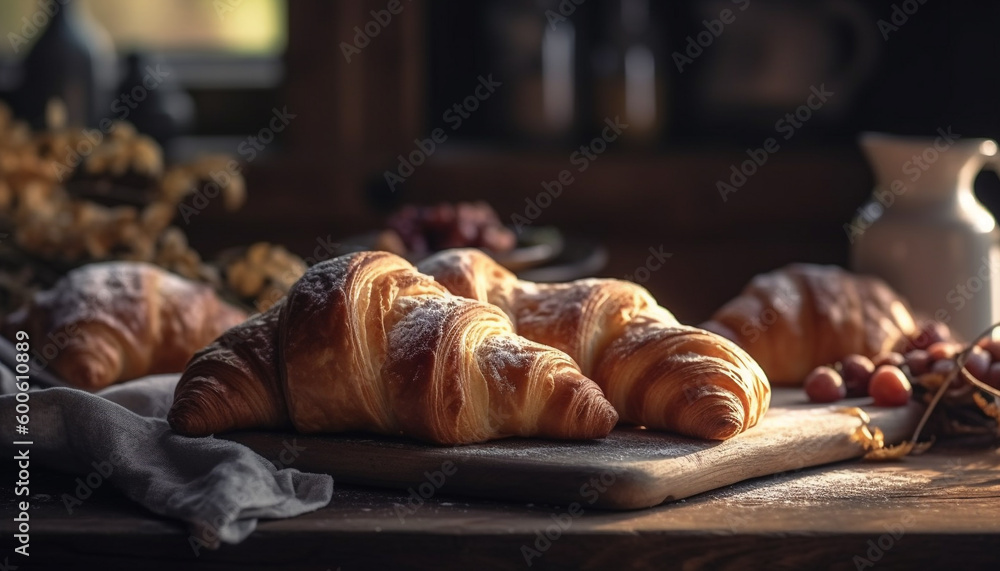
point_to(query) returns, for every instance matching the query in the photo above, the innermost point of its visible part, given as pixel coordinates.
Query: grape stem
(960, 360)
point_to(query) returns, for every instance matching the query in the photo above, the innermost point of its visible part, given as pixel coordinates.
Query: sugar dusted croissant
(655, 372)
(114, 321)
(799, 317)
(366, 343)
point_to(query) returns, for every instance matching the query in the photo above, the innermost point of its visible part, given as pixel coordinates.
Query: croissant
(799, 317)
(655, 371)
(114, 321)
(364, 342)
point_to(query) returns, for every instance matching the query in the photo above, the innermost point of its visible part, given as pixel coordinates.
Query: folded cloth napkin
(219, 488)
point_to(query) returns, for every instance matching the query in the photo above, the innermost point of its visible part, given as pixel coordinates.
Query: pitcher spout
(926, 168)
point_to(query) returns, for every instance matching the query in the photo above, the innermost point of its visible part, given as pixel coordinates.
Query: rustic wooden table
(940, 510)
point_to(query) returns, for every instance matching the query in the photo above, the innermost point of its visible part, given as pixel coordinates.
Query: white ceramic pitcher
(925, 233)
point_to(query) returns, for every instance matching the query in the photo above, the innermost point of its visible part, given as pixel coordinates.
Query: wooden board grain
(631, 469)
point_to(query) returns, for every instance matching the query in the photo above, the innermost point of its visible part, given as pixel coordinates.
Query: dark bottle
(535, 50)
(155, 105)
(73, 60)
(628, 79)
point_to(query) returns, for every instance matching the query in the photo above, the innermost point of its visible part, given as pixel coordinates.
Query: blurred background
(357, 108)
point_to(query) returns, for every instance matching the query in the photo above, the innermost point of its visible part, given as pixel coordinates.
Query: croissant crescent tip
(719, 422)
(196, 405)
(598, 419)
(580, 410)
(185, 419)
(605, 419)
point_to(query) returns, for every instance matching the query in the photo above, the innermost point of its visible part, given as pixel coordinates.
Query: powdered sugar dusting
(500, 355)
(421, 327)
(426, 320)
(826, 486)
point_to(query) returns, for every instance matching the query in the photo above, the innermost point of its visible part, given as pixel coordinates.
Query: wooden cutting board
(630, 469)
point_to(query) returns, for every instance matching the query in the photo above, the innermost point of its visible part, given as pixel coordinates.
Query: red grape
(992, 346)
(918, 361)
(994, 376)
(892, 358)
(943, 367)
(943, 350)
(889, 387)
(930, 333)
(856, 371)
(424, 229)
(825, 385)
(978, 364)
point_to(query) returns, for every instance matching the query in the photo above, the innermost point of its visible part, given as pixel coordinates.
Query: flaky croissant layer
(364, 342)
(655, 371)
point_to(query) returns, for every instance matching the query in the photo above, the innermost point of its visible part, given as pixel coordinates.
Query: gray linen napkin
(219, 488)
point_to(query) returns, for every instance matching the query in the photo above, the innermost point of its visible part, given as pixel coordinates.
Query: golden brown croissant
(114, 321)
(799, 317)
(655, 371)
(366, 343)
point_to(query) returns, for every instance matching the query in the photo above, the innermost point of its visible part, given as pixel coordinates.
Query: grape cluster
(426, 229)
(889, 378)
